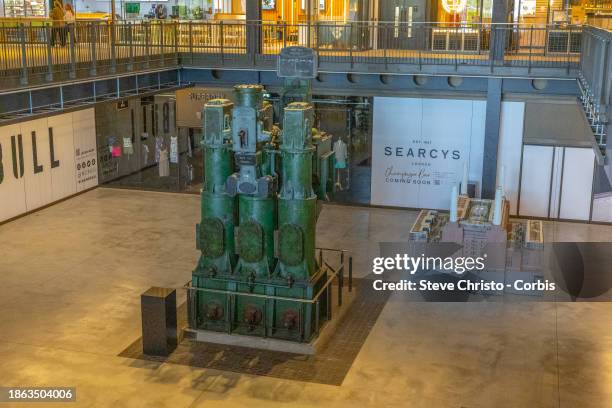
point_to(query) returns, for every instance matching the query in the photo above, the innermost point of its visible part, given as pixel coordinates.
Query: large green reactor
(258, 272)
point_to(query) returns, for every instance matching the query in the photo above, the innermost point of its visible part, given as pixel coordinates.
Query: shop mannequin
(164, 162)
(341, 155)
(161, 12)
(159, 142)
(174, 149)
(145, 154)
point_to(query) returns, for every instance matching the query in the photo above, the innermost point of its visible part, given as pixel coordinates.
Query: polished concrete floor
(71, 276)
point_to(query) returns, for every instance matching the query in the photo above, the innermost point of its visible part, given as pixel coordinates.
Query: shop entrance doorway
(400, 32)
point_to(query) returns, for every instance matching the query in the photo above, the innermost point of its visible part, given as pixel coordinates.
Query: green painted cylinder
(297, 201)
(218, 167)
(215, 233)
(297, 221)
(297, 174)
(248, 95)
(257, 220)
(222, 207)
(269, 162)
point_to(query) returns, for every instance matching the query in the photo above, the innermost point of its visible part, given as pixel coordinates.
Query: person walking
(57, 30)
(70, 19)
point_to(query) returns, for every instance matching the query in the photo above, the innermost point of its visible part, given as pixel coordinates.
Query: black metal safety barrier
(335, 274)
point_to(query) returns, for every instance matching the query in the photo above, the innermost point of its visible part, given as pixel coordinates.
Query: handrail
(595, 82)
(33, 54)
(189, 286)
(302, 23)
(336, 273)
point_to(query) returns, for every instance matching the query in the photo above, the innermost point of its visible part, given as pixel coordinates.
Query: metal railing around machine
(335, 274)
(35, 54)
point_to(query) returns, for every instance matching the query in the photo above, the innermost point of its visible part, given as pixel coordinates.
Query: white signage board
(85, 152)
(12, 182)
(510, 149)
(577, 184)
(42, 161)
(536, 180)
(419, 148)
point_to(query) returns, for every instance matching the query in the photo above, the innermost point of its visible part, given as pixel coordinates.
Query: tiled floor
(71, 275)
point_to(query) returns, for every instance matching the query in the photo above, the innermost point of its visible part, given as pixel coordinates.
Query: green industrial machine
(258, 271)
(323, 164)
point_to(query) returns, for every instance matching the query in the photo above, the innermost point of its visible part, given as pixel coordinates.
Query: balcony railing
(595, 80)
(31, 55)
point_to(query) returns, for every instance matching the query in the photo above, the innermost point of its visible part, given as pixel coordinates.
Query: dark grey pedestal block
(159, 334)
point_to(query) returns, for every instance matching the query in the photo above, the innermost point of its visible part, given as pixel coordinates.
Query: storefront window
(465, 11)
(557, 12)
(348, 120)
(25, 8)
(334, 10)
(153, 143)
(487, 11)
(140, 146)
(288, 11)
(296, 11)
(178, 9)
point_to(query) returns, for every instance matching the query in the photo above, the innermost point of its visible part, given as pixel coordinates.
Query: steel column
(72, 72)
(93, 39)
(24, 58)
(491, 142)
(113, 46)
(130, 66)
(253, 31)
(48, 34)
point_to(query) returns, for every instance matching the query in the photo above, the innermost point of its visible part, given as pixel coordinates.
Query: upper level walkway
(42, 56)
(38, 55)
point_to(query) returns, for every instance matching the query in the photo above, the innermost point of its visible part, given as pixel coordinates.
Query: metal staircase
(596, 118)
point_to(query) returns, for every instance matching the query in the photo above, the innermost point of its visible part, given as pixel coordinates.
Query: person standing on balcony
(57, 17)
(161, 12)
(70, 19)
(279, 28)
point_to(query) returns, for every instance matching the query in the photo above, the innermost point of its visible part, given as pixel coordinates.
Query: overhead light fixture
(454, 6)
(528, 7)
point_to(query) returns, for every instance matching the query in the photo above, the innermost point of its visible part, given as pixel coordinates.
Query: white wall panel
(602, 207)
(535, 180)
(509, 150)
(577, 183)
(447, 125)
(38, 185)
(85, 153)
(12, 188)
(62, 176)
(388, 131)
(84, 115)
(479, 110)
(32, 190)
(420, 146)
